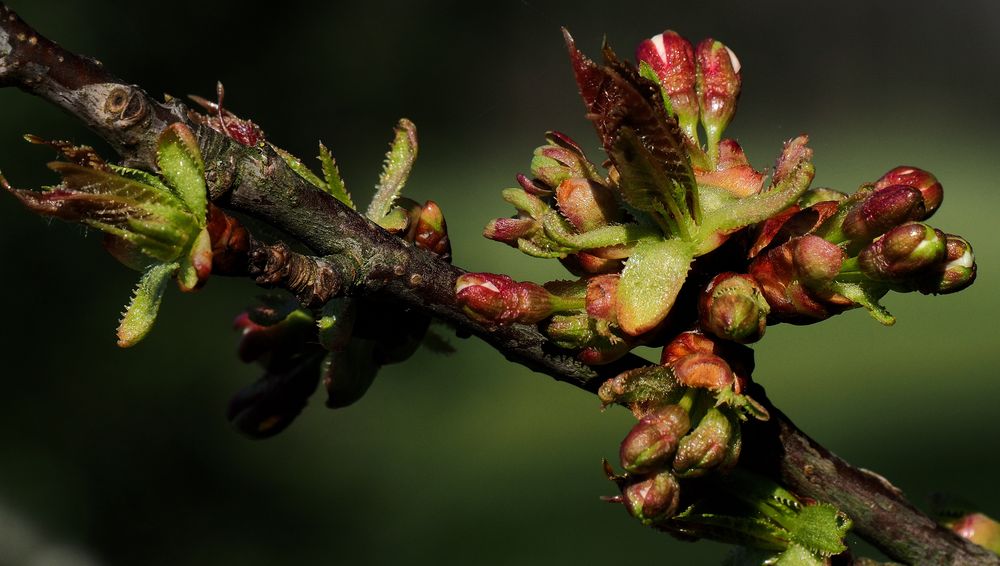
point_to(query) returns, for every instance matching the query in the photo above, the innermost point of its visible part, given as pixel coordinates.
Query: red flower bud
(979, 529)
(672, 58)
(602, 297)
(792, 297)
(432, 231)
(718, 87)
(928, 185)
(654, 439)
(882, 210)
(902, 252)
(498, 299)
(230, 242)
(509, 230)
(732, 308)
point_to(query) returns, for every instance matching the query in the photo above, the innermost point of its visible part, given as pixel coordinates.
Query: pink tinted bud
(816, 260)
(883, 210)
(928, 185)
(718, 87)
(979, 529)
(586, 204)
(432, 231)
(672, 58)
(489, 297)
(509, 230)
(654, 439)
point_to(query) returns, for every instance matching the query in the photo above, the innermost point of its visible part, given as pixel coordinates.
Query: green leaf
(398, 163)
(334, 183)
(141, 311)
(295, 164)
(820, 528)
(797, 555)
(653, 276)
(179, 160)
(862, 296)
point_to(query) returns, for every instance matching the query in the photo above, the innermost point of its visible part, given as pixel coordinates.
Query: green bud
(713, 445)
(652, 442)
(652, 499)
(902, 252)
(733, 308)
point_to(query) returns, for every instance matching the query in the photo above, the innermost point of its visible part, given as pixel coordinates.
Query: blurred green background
(124, 457)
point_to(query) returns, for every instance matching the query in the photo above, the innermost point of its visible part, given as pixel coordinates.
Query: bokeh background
(124, 457)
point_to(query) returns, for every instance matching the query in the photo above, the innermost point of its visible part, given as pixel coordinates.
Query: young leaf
(179, 160)
(334, 183)
(295, 164)
(398, 163)
(820, 528)
(141, 311)
(653, 276)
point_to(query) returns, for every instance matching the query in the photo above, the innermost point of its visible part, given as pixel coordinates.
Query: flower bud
(652, 499)
(733, 172)
(713, 444)
(718, 87)
(531, 187)
(260, 342)
(732, 308)
(672, 58)
(928, 185)
(488, 297)
(432, 231)
(817, 261)
(643, 390)
(685, 343)
(739, 357)
(703, 370)
(602, 297)
(883, 210)
(510, 230)
(230, 242)
(902, 252)
(653, 440)
(559, 160)
(586, 204)
(957, 271)
(604, 351)
(980, 529)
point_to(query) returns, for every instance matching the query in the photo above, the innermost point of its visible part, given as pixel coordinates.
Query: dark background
(114, 456)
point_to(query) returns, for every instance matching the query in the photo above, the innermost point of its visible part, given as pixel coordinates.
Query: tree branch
(356, 257)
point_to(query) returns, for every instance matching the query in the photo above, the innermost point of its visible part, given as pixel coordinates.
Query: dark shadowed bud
(702, 370)
(432, 231)
(928, 185)
(559, 160)
(267, 406)
(718, 87)
(979, 529)
(883, 210)
(653, 440)
(489, 297)
(602, 297)
(672, 59)
(713, 445)
(652, 499)
(509, 230)
(816, 260)
(349, 372)
(732, 308)
(902, 252)
(957, 271)
(587, 204)
(265, 342)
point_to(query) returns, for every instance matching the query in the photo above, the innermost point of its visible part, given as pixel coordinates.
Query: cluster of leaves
(688, 246)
